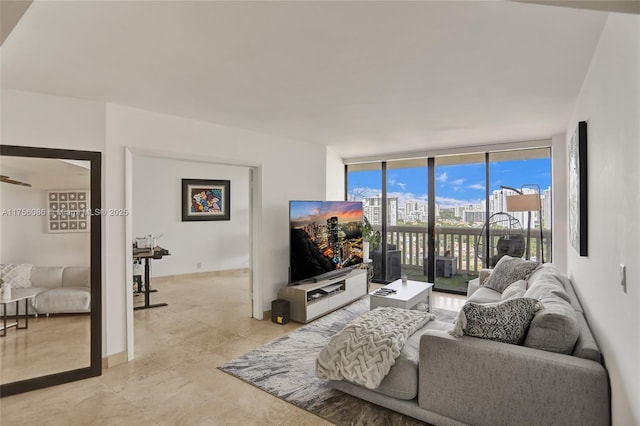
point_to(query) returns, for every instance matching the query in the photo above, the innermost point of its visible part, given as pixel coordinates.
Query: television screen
(325, 236)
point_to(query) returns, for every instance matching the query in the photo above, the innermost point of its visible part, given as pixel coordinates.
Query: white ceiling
(46, 173)
(362, 77)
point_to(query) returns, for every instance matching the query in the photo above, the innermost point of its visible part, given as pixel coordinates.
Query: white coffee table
(16, 298)
(407, 295)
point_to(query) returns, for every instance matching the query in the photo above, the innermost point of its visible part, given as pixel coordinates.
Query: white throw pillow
(17, 276)
(514, 290)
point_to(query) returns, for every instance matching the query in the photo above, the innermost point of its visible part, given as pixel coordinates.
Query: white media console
(312, 300)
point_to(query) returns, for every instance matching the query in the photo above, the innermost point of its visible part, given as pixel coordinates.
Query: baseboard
(115, 359)
(222, 273)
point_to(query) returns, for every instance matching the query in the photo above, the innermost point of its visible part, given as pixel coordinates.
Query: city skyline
(456, 185)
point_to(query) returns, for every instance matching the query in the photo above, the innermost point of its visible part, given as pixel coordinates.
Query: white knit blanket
(366, 349)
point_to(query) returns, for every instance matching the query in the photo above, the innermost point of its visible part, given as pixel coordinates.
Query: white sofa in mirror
(52, 289)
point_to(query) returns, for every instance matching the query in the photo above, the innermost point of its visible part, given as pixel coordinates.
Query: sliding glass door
(442, 219)
(460, 213)
(407, 218)
(365, 183)
(520, 205)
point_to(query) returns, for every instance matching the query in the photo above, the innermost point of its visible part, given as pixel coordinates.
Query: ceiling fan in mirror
(7, 179)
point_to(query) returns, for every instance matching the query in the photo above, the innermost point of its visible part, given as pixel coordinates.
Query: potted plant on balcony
(370, 238)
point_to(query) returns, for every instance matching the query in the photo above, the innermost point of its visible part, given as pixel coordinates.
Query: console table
(147, 255)
(17, 299)
(312, 300)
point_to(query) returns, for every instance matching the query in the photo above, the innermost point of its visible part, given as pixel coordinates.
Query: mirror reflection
(45, 264)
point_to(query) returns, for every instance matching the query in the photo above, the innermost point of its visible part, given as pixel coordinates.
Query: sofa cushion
(550, 269)
(506, 321)
(76, 276)
(16, 275)
(509, 270)
(63, 300)
(586, 346)
(516, 289)
(47, 276)
(555, 327)
(547, 285)
(484, 295)
(402, 380)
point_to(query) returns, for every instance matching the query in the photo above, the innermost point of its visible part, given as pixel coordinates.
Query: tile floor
(173, 379)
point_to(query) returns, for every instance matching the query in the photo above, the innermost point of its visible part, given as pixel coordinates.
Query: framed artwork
(204, 199)
(578, 218)
(68, 211)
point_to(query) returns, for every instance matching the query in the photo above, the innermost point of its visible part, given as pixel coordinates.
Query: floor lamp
(526, 202)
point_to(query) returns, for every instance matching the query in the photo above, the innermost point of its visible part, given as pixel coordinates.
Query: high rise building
(333, 238)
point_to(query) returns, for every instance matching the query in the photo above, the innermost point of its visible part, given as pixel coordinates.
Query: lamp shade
(523, 203)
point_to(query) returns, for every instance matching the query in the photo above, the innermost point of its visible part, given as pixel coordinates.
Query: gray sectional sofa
(447, 380)
(56, 290)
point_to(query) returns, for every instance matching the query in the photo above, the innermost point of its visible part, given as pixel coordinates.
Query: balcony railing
(458, 242)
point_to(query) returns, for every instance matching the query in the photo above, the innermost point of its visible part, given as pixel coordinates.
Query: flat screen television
(325, 238)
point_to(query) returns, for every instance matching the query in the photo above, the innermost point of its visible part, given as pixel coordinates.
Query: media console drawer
(317, 308)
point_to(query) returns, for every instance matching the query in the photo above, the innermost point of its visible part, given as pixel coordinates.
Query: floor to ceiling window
(460, 213)
(406, 230)
(365, 183)
(520, 186)
(484, 205)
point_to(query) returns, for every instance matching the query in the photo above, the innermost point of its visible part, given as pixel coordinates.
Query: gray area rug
(285, 368)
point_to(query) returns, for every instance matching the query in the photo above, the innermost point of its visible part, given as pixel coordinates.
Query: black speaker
(280, 311)
(393, 265)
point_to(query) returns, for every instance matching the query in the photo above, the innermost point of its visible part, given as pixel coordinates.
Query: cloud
(401, 185)
(442, 178)
(458, 182)
(360, 192)
(477, 186)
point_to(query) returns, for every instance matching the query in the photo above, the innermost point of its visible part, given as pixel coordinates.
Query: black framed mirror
(51, 207)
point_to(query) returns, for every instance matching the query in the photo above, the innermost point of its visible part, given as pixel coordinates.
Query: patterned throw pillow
(509, 270)
(17, 276)
(506, 321)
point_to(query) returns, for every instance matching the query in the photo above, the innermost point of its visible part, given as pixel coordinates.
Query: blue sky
(456, 184)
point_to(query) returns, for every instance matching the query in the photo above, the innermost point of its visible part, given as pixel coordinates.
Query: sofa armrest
(476, 283)
(483, 274)
(482, 382)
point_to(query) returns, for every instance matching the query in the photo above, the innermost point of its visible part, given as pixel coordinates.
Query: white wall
(335, 176)
(25, 238)
(559, 201)
(216, 245)
(609, 102)
(286, 170)
(34, 119)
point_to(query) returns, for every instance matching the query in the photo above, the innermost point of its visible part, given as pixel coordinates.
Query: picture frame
(68, 210)
(578, 206)
(206, 199)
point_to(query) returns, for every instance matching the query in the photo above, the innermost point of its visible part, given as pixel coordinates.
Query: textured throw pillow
(17, 276)
(516, 289)
(509, 270)
(505, 321)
